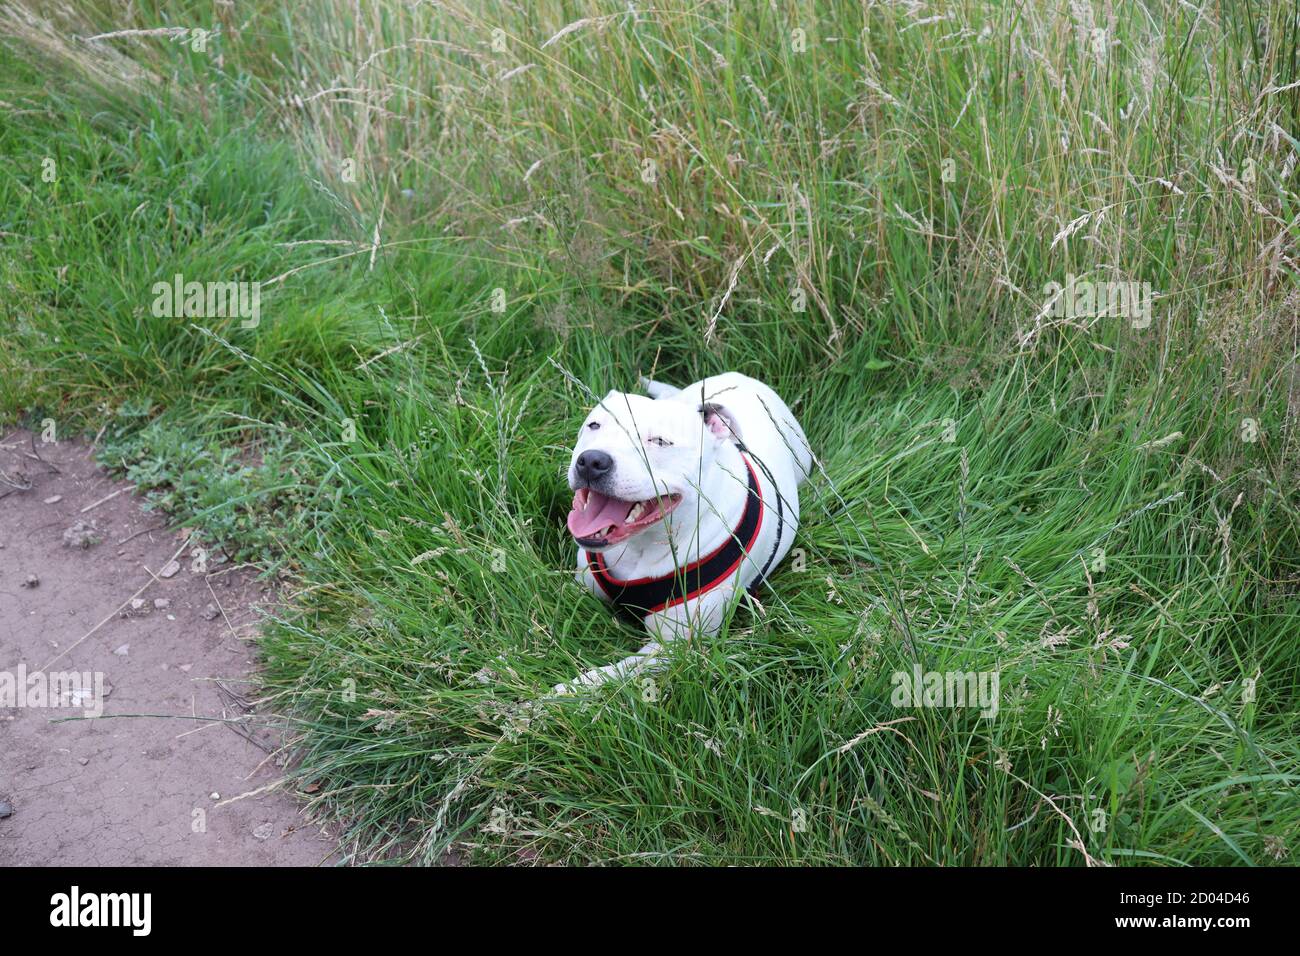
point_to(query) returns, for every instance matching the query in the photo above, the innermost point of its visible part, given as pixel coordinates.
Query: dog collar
(643, 596)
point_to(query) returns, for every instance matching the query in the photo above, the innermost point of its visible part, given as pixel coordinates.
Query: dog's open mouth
(598, 520)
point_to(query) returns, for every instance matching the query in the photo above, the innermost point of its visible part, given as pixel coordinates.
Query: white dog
(682, 499)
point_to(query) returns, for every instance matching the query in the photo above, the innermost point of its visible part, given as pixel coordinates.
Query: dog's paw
(569, 688)
(592, 678)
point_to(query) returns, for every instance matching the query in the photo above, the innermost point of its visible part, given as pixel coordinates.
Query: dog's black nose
(593, 466)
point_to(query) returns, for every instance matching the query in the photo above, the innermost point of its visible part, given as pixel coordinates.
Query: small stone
(123, 651)
(32, 581)
(186, 667)
(210, 612)
(162, 604)
(170, 570)
(83, 760)
(214, 795)
(53, 499)
(264, 831)
(81, 535)
(6, 809)
(138, 607)
(81, 696)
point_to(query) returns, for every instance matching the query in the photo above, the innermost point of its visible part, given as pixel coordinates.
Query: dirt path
(127, 790)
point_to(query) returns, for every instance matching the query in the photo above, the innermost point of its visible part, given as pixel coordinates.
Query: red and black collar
(643, 596)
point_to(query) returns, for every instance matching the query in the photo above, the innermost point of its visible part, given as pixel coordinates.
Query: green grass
(1105, 514)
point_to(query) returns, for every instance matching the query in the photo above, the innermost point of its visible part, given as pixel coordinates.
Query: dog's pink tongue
(601, 512)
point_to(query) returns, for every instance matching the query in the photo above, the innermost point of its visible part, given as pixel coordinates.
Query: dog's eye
(661, 442)
(594, 426)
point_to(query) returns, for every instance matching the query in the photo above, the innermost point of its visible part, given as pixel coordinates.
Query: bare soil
(151, 781)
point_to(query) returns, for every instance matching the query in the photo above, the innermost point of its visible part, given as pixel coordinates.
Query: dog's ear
(720, 422)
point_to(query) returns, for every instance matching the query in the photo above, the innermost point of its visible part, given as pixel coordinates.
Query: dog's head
(639, 459)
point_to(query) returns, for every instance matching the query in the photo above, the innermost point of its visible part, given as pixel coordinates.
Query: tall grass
(863, 204)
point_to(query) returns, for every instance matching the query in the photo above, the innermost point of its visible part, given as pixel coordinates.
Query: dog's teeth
(634, 512)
